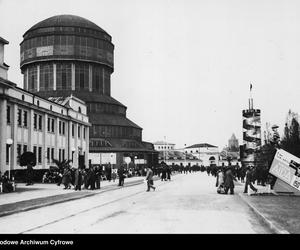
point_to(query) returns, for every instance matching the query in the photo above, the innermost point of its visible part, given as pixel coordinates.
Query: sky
(183, 67)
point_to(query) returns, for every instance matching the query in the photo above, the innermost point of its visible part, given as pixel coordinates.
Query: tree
(62, 164)
(28, 158)
(291, 140)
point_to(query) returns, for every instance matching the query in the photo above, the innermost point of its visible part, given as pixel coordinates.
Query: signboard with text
(284, 167)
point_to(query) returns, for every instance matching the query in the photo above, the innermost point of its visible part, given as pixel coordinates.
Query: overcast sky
(183, 67)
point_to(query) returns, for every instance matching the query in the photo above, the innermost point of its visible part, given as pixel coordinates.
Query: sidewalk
(279, 212)
(40, 194)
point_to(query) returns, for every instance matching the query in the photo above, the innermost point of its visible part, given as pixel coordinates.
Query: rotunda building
(69, 55)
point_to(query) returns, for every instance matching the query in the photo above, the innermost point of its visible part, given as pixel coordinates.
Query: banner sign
(284, 167)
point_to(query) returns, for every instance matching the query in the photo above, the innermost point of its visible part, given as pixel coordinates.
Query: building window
(73, 130)
(79, 128)
(84, 131)
(8, 114)
(63, 128)
(19, 117)
(40, 122)
(34, 150)
(59, 154)
(25, 118)
(63, 76)
(48, 155)
(35, 121)
(52, 154)
(52, 125)
(63, 154)
(7, 153)
(19, 149)
(49, 125)
(59, 127)
(24, 148)
(40, 155)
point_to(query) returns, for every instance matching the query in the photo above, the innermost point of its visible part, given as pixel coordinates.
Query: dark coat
(228, 182)
(66, 179)
(78, 178)
(149, 175)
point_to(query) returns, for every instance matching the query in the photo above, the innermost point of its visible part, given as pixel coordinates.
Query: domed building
(69, 55)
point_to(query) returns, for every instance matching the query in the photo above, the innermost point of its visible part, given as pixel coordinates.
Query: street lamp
(9, 142)
(184, 155)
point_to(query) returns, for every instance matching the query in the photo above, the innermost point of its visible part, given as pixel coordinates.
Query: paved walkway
(41, 194)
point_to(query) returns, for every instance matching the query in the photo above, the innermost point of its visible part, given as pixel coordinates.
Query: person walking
(220, 181)
(78, 179)
(121, 176)
(249, 180)
(228, 182)
(98, 176)
(66, 178)
(169, 173)
(149, 179)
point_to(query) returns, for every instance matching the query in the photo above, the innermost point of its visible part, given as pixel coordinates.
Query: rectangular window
(25, 118)
(48, 155)
(64, 80)
(81, 81)
(49, 125)
(8, 114)
(34, 150)
(19, 117)
(7, 153)
(63, 154)
(79, 128)
(52, 125)
(59, 127)
(84, 131)
(52, 154)
(24, 148)
(40, 155)
(73, 128)
(19, 152)
(40, 122)
(35, 121)
(63, 128)
(59, 154)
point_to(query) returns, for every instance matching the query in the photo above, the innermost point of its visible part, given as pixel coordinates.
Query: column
(56, 129)
(87, 149)
(38, 78)
(70, 145)
(44, 144)
(54, 76)
(30, 130)
(75, 157)
(90, 78)
(103, 82)
(73, 76)
(13, 136)
(3, 125)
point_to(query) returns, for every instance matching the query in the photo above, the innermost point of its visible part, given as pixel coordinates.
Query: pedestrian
(78, 179)
(220, 181)
(163, 173)
(228, 181)
(249, 180)
(66, 178)
(168, 173)
(121, 175)
(149, 179)
(108, 172)
(98, 176)
(114, 174)
(92, 178)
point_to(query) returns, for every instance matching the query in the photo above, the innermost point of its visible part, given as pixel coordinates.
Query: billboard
(286, 167)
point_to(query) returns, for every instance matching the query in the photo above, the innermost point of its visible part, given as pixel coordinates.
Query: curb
(104, 189)
(271, 225)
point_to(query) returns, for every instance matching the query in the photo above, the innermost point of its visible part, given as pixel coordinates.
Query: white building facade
(50, 129)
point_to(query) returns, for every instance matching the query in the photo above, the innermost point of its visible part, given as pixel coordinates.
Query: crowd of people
(226, 175)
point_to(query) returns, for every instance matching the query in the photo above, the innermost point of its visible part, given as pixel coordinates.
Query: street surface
(187, 204)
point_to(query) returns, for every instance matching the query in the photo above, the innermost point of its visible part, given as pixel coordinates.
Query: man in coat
(78, 179)
(121, 176)
(228, 182)
(149, 179)
(249, 180)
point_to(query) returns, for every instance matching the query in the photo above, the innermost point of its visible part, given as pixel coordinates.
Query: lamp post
(184, 155)
(9, 142)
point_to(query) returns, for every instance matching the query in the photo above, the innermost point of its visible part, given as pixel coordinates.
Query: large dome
(66, 21)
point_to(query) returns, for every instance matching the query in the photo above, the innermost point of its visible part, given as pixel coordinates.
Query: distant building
(54, 128)
(233, 143)
(170, 155)
(207, 153)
